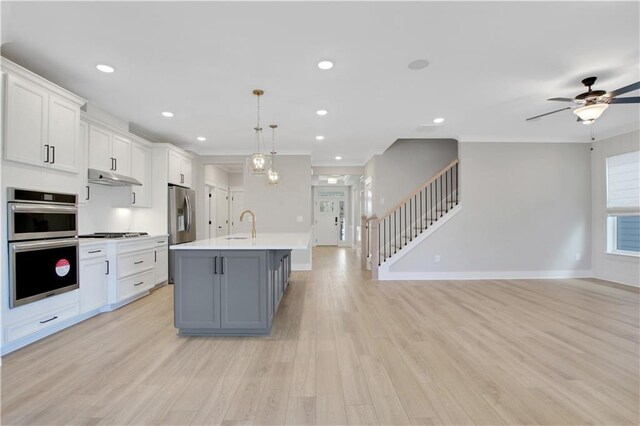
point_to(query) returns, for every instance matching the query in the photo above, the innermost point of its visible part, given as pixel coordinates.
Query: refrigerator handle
(188, 213)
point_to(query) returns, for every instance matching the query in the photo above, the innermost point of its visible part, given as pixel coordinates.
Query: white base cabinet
(94, 270)
(161, 270)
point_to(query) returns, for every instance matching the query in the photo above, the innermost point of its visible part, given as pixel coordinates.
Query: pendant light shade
(273, 176)
(257, 162)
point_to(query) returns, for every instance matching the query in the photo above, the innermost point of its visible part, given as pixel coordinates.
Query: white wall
(236, 180)
(526, 212)
(215, 175)
(404, 166)
(611, 267)
(277, 209)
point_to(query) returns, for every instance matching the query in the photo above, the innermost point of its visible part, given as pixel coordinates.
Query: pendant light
(257, 161)
(273, 176)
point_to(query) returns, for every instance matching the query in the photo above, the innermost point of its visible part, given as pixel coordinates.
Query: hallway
(345, 350)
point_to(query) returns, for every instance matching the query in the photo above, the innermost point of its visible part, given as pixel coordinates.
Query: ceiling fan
(590, 105)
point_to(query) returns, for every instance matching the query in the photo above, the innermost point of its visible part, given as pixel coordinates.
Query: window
(623, 203)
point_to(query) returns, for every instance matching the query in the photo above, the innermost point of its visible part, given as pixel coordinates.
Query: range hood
(111, 179)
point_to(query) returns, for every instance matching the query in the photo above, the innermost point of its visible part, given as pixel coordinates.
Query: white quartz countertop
(86, 241)
(263, 241)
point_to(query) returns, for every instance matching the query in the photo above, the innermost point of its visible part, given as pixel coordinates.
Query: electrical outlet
(299, 218)
(578, 256)
(437, 259)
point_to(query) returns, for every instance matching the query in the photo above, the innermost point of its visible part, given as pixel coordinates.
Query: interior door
(222, 208)
(327, 223)
(237, 207)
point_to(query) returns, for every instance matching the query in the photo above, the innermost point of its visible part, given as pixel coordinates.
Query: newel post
(375, 245)
(364, 252)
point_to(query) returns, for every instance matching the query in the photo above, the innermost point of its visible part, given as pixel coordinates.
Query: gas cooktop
(114, 235)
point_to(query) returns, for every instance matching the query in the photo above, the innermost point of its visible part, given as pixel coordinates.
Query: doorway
(330, 216)
(222, 209)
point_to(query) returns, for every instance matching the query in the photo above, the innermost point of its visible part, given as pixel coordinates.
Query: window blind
(623, 183)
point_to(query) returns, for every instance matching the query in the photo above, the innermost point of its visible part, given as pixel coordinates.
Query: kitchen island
(232, 285)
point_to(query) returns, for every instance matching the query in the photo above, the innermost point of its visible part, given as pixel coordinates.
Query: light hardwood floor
(345, 350)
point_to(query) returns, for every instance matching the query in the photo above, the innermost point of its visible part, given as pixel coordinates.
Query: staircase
(434, 202)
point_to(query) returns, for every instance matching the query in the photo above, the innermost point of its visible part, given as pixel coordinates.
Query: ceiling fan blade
(629, 100)
(548, 113)
(561, 99)
(625, 89)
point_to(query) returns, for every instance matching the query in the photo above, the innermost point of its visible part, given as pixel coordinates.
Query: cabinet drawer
(89, 252)
(133, 263)
(134, 284)
(40, 322)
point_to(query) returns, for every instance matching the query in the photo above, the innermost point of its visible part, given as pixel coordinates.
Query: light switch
(299, 218)
(437, 258)
(382, 201)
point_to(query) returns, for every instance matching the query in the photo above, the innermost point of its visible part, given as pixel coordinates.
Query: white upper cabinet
(121, 153)
(100, 148)
(42, 122)
(84, 191)
(179, 169)
(109, 151)
(26, 121)
(64, 141)
(141, 171)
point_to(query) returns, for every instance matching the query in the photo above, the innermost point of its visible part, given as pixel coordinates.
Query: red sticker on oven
(62, 267)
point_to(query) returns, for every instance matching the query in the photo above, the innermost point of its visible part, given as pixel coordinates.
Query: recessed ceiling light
(321, 112)
(325, 65)
(438, 120)
(418, 64)
(201, 138)
(105, 68)
(338, 157)
(319, 138)
(167, 114)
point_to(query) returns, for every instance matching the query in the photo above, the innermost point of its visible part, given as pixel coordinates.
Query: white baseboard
(481, 275)
(300, 266)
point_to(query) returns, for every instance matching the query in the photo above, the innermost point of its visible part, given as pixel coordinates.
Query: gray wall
(277, 209)
(404, 166)
(525, 207)
(612, 267)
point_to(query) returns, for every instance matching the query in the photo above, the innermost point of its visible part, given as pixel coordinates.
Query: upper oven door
(37, 221)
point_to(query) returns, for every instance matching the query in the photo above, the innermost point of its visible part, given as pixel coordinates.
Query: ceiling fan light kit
(590, 105)
(591, 112)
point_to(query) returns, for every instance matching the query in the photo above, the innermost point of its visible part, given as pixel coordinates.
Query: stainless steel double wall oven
(43, 244)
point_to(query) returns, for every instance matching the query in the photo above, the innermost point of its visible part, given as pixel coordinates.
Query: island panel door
(243, 289)
(197, 290)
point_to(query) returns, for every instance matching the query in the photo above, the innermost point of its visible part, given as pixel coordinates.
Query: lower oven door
(41, 269)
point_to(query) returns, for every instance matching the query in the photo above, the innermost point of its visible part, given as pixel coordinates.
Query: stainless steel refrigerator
(182, 219)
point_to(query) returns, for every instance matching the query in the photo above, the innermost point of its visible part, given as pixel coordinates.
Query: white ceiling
(491, 66)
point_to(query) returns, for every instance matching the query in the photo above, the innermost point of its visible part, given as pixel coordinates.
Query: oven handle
(42, 208)
(39, 245)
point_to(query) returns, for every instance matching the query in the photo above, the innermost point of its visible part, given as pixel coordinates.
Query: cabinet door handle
(215, 265)
(88, 192)
(53, 154)
(222, 265)
(138, 262)
(95, 251)
(137, 284)
(134, 197)
(111, 163)
(107, 262)
(155, 256)
(50, 319)
(115, 167)
(46, 148)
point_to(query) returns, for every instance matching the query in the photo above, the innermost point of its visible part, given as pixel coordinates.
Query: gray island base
(229, 291)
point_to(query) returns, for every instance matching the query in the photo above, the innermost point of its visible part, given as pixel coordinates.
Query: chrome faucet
(253, 222)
